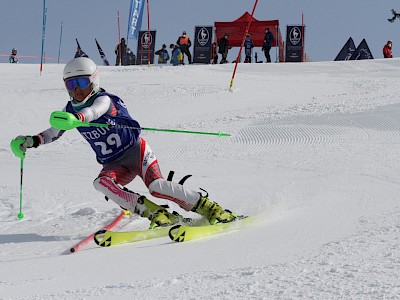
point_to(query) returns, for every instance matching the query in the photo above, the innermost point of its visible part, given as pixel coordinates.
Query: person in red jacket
(387, 50)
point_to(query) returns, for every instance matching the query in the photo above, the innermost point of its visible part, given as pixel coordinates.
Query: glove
(25, 142)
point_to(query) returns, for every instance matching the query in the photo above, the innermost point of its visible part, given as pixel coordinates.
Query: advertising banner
(294, 43)
(202, 51)
(146, 41)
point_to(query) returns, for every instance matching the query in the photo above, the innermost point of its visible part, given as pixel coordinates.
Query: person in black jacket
(184, 44)
(121, 49)
(268, 40)
(223, 48)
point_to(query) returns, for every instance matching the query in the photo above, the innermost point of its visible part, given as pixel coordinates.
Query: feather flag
(102, 55)
(135, 18)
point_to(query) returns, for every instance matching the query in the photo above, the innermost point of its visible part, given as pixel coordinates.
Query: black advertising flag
(294, 43)
(347, 50)
(79, 52)
(146, 41)
(202, 51)
(102, 55)
(362, 52)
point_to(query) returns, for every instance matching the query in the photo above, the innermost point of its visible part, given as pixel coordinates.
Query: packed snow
(313, 153)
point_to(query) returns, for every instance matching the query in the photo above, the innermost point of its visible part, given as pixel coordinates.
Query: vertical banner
(202, 51)
(146, 47)
(294, 43)
(102, 55)
(135, 18)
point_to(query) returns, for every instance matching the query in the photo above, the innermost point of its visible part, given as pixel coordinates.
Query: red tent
(236, 30)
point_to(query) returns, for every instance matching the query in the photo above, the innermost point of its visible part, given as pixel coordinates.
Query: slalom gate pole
(119, 41)
(43, 36)
(148, 33)
(241, 46)
(59, 46)
(110, 226)
(21, 215)
(66, 121)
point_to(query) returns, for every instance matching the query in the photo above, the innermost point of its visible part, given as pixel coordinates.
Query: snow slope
(313, 152)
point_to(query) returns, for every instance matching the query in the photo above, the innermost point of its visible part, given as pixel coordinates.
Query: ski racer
(122, 152)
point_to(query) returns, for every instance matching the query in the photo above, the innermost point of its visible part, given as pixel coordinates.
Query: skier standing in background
(13, 59)
(122, 153)
(248, 48)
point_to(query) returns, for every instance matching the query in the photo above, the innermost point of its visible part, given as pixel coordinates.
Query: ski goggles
(80, 82)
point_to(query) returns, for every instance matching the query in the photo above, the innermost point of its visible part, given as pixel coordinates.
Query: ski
(106, 238)
(110, 226)
(183, 232)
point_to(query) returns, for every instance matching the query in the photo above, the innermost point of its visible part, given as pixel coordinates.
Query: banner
(79, 52)
(146, 42)
(102, 55)
(362, 52)
(135, 18)
(294, 43)
(202, 50)
(347, 50)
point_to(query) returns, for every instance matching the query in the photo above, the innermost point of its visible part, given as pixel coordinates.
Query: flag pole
(302, 37)
(148, 32)
(59, 47)
(119, 40)
(241, 45)
(43, 35)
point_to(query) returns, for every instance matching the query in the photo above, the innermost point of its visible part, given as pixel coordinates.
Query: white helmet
(83, 66)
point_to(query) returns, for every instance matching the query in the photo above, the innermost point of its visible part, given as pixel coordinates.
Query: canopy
(236, 30)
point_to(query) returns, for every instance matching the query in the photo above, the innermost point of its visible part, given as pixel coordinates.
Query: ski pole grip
(62, 120)
(16, 148)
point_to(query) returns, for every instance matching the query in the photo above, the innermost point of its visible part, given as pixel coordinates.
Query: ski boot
(158, 215)
(213, 212)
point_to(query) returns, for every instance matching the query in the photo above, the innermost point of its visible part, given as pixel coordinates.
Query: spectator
(184, 44)
(121, 49)
(13, 57)
(268, 40)
(387, 50)
(176, 55)
(248, 48)
(131, 58)
(224, 48)
(163, 55)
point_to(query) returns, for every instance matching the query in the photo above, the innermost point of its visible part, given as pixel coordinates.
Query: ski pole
(15, 147)
(20, 214)
(66, 121)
